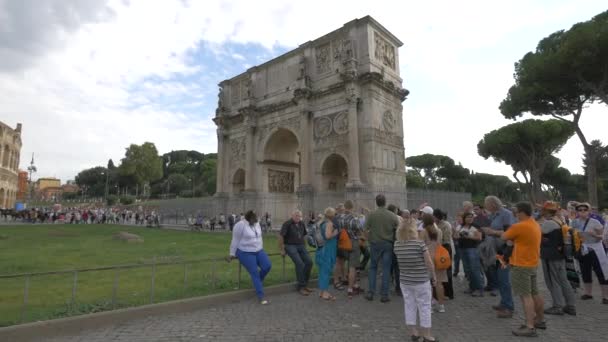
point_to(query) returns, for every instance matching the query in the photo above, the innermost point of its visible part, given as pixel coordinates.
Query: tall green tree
(526, 146)
(92, 180)
(142, 163)
(567, 71)
(427, 165)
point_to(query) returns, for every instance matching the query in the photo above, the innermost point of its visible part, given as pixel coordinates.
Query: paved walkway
(291, 317)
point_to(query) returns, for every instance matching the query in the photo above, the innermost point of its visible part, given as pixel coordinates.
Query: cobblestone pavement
(291, 317)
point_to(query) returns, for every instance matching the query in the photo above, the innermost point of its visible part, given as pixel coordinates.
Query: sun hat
(427, 210)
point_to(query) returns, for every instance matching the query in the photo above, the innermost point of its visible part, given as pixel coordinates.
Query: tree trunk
(536, 190)
(591, 170)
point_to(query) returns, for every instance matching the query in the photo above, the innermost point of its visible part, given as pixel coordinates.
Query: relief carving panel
(322, 54)
(384, 51)
(280, 181)
(237, 150)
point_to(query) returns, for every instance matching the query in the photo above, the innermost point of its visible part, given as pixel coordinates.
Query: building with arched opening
(315, 126)
(10, 152)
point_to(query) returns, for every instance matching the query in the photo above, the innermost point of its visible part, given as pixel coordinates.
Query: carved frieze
(322, 58)
(384, 137)
(343, 49)
(322, 127)
(388, 121)
(280, 181)
(333, 124)
(237, 149)
(341, 123)
(384, 51)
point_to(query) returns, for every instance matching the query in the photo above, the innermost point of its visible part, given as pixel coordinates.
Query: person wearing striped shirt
(417, 277)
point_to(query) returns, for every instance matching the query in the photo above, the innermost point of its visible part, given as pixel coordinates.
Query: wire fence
(53, 294)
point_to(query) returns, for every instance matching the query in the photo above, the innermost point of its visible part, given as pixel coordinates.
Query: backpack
(443, 261)
(344, 242)
(574, 236)
(314, 236)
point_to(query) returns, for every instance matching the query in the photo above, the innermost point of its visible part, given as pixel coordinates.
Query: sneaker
(570, 310)
(504, 313)
(369, 296)
(441, 308)
(524, 331)
(498, 307)
(540, 325)
(385, 300)
(554, 311)
(477, 294)
(586, 297)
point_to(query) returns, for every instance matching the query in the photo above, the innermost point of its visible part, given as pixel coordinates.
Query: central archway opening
(334, 173)
(282, 162)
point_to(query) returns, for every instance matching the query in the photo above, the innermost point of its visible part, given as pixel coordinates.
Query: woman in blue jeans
(247, 246)
(469, 239)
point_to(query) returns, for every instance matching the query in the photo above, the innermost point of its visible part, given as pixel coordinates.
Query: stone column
(305, 191)
(1, 153)
(220, 187)
(250, 172)
(354, 167)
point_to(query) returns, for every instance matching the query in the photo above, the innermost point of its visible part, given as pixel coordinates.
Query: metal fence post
(283, 258)
(185, 276)
(213, 267)
(25, 296)
(176, 213)
(238, 281)
(74, 286)
(115, 289)
(152, 281)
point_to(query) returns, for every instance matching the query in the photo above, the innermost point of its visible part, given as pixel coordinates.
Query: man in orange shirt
(526, 236)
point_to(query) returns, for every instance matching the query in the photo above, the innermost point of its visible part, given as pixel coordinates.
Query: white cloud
(95, 87)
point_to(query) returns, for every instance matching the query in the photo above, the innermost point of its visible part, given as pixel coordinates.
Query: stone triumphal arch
(314, 126)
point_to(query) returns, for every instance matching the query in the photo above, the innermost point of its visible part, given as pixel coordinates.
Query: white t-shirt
(247, 238)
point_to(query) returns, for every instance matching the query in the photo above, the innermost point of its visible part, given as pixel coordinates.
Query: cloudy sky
(88, 77)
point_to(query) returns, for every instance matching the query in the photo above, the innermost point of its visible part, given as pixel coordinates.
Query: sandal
(338, 286)
(329, 298)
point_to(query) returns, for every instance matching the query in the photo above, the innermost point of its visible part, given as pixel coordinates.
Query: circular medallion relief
(322, 127)
(341, 123)
(388, 121)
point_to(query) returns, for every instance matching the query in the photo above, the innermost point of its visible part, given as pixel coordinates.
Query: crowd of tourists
(223, 222)
(92, 215)
(419, 252)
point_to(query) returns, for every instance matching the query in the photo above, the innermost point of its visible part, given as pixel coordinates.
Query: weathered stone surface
(288, 121)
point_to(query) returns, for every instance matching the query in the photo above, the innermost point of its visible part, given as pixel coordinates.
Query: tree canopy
(142, 163)
(526, 146)
(567, 71)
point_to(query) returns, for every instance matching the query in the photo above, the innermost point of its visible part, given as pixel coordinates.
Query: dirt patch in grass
(60, 233)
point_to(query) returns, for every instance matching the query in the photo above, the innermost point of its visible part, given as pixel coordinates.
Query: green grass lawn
(41, 248)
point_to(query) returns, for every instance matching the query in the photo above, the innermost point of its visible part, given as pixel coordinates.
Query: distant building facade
(22, 186)
(10, 152)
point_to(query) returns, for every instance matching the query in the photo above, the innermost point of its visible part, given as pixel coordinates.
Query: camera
(464, 233)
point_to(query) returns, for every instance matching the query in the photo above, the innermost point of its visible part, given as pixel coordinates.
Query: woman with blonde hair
(417, 277)
(326, 255)
(431, 235)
